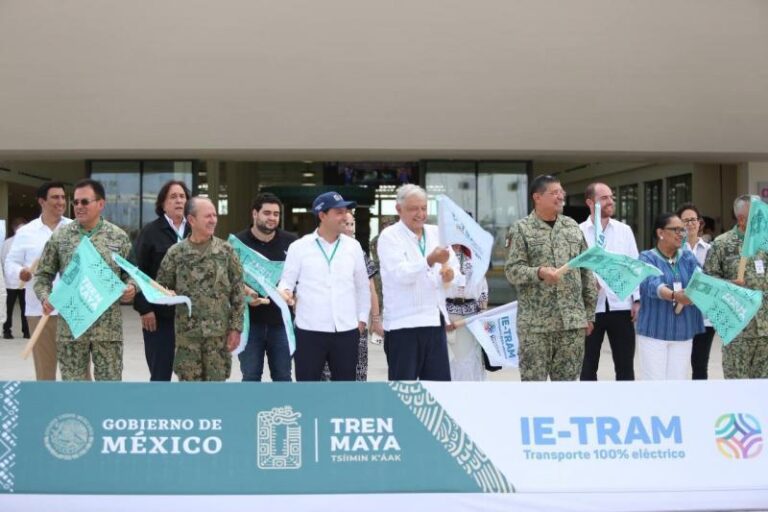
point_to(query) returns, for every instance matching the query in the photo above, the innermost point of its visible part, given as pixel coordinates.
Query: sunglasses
(84, 202)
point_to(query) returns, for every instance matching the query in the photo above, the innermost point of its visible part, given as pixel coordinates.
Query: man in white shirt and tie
(21, 262)
(613, 315)
(414, 271)
(326, 268)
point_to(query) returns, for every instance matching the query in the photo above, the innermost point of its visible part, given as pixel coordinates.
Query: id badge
(759, 267)
(677, 286)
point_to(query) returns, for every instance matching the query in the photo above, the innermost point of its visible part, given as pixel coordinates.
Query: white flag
(496, 331)
(457, 227)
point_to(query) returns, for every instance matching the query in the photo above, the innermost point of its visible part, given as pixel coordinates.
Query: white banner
(617, 437)
(496, 331)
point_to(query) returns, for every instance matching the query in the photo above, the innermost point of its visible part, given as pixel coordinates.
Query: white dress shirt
(414, 293)
(11, 282)
(180, 231)
(700, 250)
(27, 247)
(330, 296)
(619, 239)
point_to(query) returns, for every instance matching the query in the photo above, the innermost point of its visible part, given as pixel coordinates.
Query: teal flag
(246, 328)
(152, 291)
(729, 307)
(275, 296)
(598, 221)
(270, 270)
(87, 288)
(621, 273)
(756, 234)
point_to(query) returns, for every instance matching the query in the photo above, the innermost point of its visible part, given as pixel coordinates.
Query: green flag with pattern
(258, 264)
(87, 288)
(152, 291)
(756, 233)
(728, 306)
(620, 273)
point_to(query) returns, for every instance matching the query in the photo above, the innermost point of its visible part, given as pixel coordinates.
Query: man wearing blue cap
(327, 270)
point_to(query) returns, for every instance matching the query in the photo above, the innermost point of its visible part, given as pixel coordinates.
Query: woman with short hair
(668, 320)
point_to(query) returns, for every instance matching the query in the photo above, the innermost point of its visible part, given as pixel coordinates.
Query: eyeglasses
(84, 202)
(556, 193)
(677, 231)
(691, 221)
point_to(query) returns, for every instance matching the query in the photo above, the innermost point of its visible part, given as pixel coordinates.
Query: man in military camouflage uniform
(554, 312)
(207, 270)
(103, 341)
(746, 357)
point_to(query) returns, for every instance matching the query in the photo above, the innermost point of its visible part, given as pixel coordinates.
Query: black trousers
(417, 353)
(314, 348)
(702, 344)
(159, 349)
(10, 301)
(621, 336)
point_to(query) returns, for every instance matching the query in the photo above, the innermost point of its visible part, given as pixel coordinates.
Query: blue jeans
(269, 339)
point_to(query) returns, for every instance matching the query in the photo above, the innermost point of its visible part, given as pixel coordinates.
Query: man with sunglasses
(103, 341)
(554, 312)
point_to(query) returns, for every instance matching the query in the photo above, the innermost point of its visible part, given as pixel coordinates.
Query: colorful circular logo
(739, 436)
(68, 436)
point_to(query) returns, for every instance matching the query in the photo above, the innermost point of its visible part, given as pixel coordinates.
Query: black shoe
(26, 335)
(7, 336)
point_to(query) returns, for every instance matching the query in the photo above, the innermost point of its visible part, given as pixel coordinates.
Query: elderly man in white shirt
(613, 315)
(414, 271)
(326, 268)
(21, 262)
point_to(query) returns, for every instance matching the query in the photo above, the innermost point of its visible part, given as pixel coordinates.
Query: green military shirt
(106, 238)
(542, 307)
(723, 261)
(211, 276)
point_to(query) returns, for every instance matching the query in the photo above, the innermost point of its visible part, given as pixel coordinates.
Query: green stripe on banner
(218, 438)
(464, 452)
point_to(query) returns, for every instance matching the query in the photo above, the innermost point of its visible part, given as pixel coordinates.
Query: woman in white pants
(667, 321)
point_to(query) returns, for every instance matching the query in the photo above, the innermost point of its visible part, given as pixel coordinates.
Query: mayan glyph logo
(68, 436)
(739, 436)
(279, 438)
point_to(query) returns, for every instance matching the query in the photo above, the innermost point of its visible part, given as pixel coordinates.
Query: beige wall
(267, 79)
(750, 174)
(35, 172)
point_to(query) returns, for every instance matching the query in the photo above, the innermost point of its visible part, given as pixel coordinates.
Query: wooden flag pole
(35, 336)
(562, 270)
(742, 269)
(31, 270)
(162, 289)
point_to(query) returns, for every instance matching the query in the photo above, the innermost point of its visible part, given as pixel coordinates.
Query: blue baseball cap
(328, 200)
